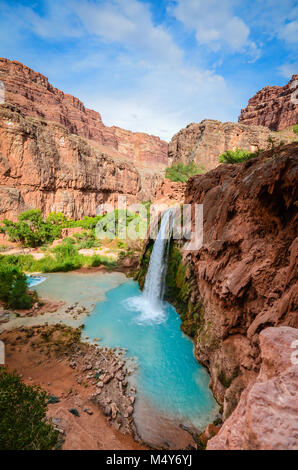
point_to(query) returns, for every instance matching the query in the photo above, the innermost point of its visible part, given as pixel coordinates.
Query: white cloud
(59, 21)
(289, 32)
(128, 22)
(276, 19)
(130, 69)
(168, 98)
(214, 24)
(287, 70)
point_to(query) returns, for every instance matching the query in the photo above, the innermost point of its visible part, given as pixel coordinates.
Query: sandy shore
(46, 359)
(83, 376)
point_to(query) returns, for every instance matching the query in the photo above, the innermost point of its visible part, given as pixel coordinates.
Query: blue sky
(155, 66)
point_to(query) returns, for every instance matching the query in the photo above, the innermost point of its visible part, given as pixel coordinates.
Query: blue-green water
(172, 388)
(34, 281)
(169, 381)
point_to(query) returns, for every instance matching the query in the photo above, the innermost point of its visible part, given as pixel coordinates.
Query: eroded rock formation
(245, 274)
(204, 142)
(43, 165)
(170, 192)
(274, 106)
(32, 93)
(267, 414)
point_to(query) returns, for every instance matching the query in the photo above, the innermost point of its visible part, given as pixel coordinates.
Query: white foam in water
(150, 304)
(35, 280)
(148, 312)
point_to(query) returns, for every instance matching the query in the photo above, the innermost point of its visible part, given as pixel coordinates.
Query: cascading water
(155, 279)
(173, 392)
(150, 302)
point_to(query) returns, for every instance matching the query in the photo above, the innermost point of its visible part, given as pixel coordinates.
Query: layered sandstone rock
(267, 414)
(36, 97)
(43, 165)
(170, 192)
(246, 271)
(274, 106)
(204, 142)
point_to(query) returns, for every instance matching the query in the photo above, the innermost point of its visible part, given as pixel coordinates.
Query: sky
(155, 65)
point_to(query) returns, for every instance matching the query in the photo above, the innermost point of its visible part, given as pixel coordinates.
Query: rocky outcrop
(267, 414)
(43, 165)
(32, 93)
(170, 192)
(204, 142)
(275, 107)
(245, 274)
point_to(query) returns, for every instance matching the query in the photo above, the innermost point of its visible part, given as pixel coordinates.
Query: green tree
(57, 218)
(31, 230)
(23, 409)
(295, 129)
(181, 173)
(13, 287)
(236, 156)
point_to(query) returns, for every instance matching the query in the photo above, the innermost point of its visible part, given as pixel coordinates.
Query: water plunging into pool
(172, 388)
(155, 279)
(149, 305)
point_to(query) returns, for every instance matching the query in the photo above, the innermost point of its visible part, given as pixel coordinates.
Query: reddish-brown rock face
(43, 166)
(204, 142)
(170, 192)
(275, 107)
(246, 270)
(267, 414)
(35, 96)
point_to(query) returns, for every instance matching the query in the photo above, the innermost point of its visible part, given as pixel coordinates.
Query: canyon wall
(244, 278)
(205, 141)
(55, 154)
(237, 295)
(275, 107)
(32, 93)
(267, 414)
(43, 165)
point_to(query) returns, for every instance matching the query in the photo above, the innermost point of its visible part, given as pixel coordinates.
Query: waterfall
(155, 279)
(149, 305)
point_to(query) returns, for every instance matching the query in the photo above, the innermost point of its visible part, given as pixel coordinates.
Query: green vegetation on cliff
(295, 129)
(181, 173)
(144, 263)
(23, 409)
(181, 293)
(236, 156)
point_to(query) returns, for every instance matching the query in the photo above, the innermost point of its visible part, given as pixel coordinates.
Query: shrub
(31, 230)
(56, 263)
(23, 409)
(65, 250)
(181, 173)
(236, 156)
(13, 287)
(295, 129)
(57, 218)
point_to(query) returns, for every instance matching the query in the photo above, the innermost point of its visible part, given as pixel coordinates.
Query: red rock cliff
(274, 107)
(205, 141)
(35, 96)
(43, 165)
(267, 414)
(246, 271)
